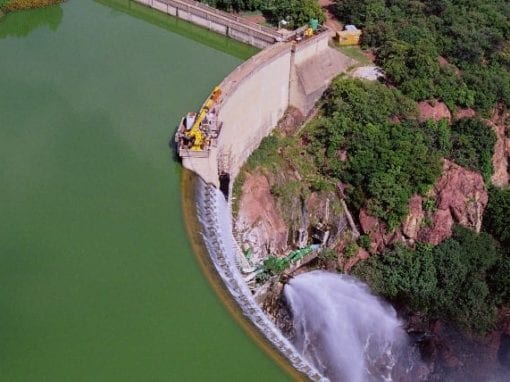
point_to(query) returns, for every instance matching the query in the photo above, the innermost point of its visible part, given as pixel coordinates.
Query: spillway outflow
(216, 220)
(345, 331)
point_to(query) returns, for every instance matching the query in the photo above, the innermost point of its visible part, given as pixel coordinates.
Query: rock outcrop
(459, 196)
(435, 110)
(465, 113)
(501, 158)
(347, 264)
(380, 238)
(413, 222)
(291, 121)
(261, 228)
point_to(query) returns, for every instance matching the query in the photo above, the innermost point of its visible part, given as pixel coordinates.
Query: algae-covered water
(97, 278)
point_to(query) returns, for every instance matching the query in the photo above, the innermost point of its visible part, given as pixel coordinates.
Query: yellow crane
(195, 133)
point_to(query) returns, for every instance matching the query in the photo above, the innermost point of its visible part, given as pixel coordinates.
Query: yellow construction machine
(195, 134)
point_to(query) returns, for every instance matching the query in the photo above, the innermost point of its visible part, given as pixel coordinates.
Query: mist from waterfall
(348, 333)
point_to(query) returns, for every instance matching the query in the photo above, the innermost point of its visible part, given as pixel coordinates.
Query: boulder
(501, 157)
(361, 255)
(414, 219)
(461, 197)
(440, 228)
(435, 110)
(463, 193)
(375, 229)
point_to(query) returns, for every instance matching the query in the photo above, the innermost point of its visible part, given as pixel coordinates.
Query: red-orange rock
(501, 157)
(440, 228)
(375, 229)
(435, 110)
(361, 255)
(465, 113)
(414, 219)
(461, 197)
(258, 222)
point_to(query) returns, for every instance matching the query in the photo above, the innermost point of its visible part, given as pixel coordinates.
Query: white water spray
(345, 331)
(216, 220)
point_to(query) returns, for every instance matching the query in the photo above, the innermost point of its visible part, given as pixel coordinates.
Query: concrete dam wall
(256, 95)
(294, 72)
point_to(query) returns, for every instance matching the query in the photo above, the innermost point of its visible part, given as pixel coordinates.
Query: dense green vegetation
(472, 37)
(295, 12)
(389, 154)
(462, 280)
(368, 138)
(473, 146)
(497, 215)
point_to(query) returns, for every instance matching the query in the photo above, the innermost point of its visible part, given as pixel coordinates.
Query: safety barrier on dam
(220, 22)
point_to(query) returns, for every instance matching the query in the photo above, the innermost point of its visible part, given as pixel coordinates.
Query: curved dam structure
(215, 218)
(254, 97)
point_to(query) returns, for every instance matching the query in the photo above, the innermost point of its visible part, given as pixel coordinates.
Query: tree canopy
(389, 156)
(463, 279)
(295, 12)
(454, 50)
(473, 145)
(496, 218)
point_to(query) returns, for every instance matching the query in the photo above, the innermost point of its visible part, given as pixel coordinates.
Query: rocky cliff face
(459, 196)
(501, 159)
(273, 225)
(258, 224)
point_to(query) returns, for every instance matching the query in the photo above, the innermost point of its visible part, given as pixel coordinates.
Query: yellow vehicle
(195, 133)
(308, 32)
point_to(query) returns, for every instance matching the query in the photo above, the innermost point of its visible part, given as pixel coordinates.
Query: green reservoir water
(97, 278)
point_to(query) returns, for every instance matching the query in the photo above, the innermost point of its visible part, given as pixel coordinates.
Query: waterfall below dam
(346, 332)
(342, 332)
(216, 220)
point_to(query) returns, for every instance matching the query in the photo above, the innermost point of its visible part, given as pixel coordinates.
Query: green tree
(473, 145)
(461, 280)
(410, 37)
(296, 12)
(388, 155)
(496, 218)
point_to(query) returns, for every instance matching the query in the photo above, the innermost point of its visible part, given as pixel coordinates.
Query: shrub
(473, 145)
(462, 279)
(496, 218)
(296, 12)
(411, 36)
(16, 5)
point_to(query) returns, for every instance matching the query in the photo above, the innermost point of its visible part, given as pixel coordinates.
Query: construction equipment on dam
(198, 132)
